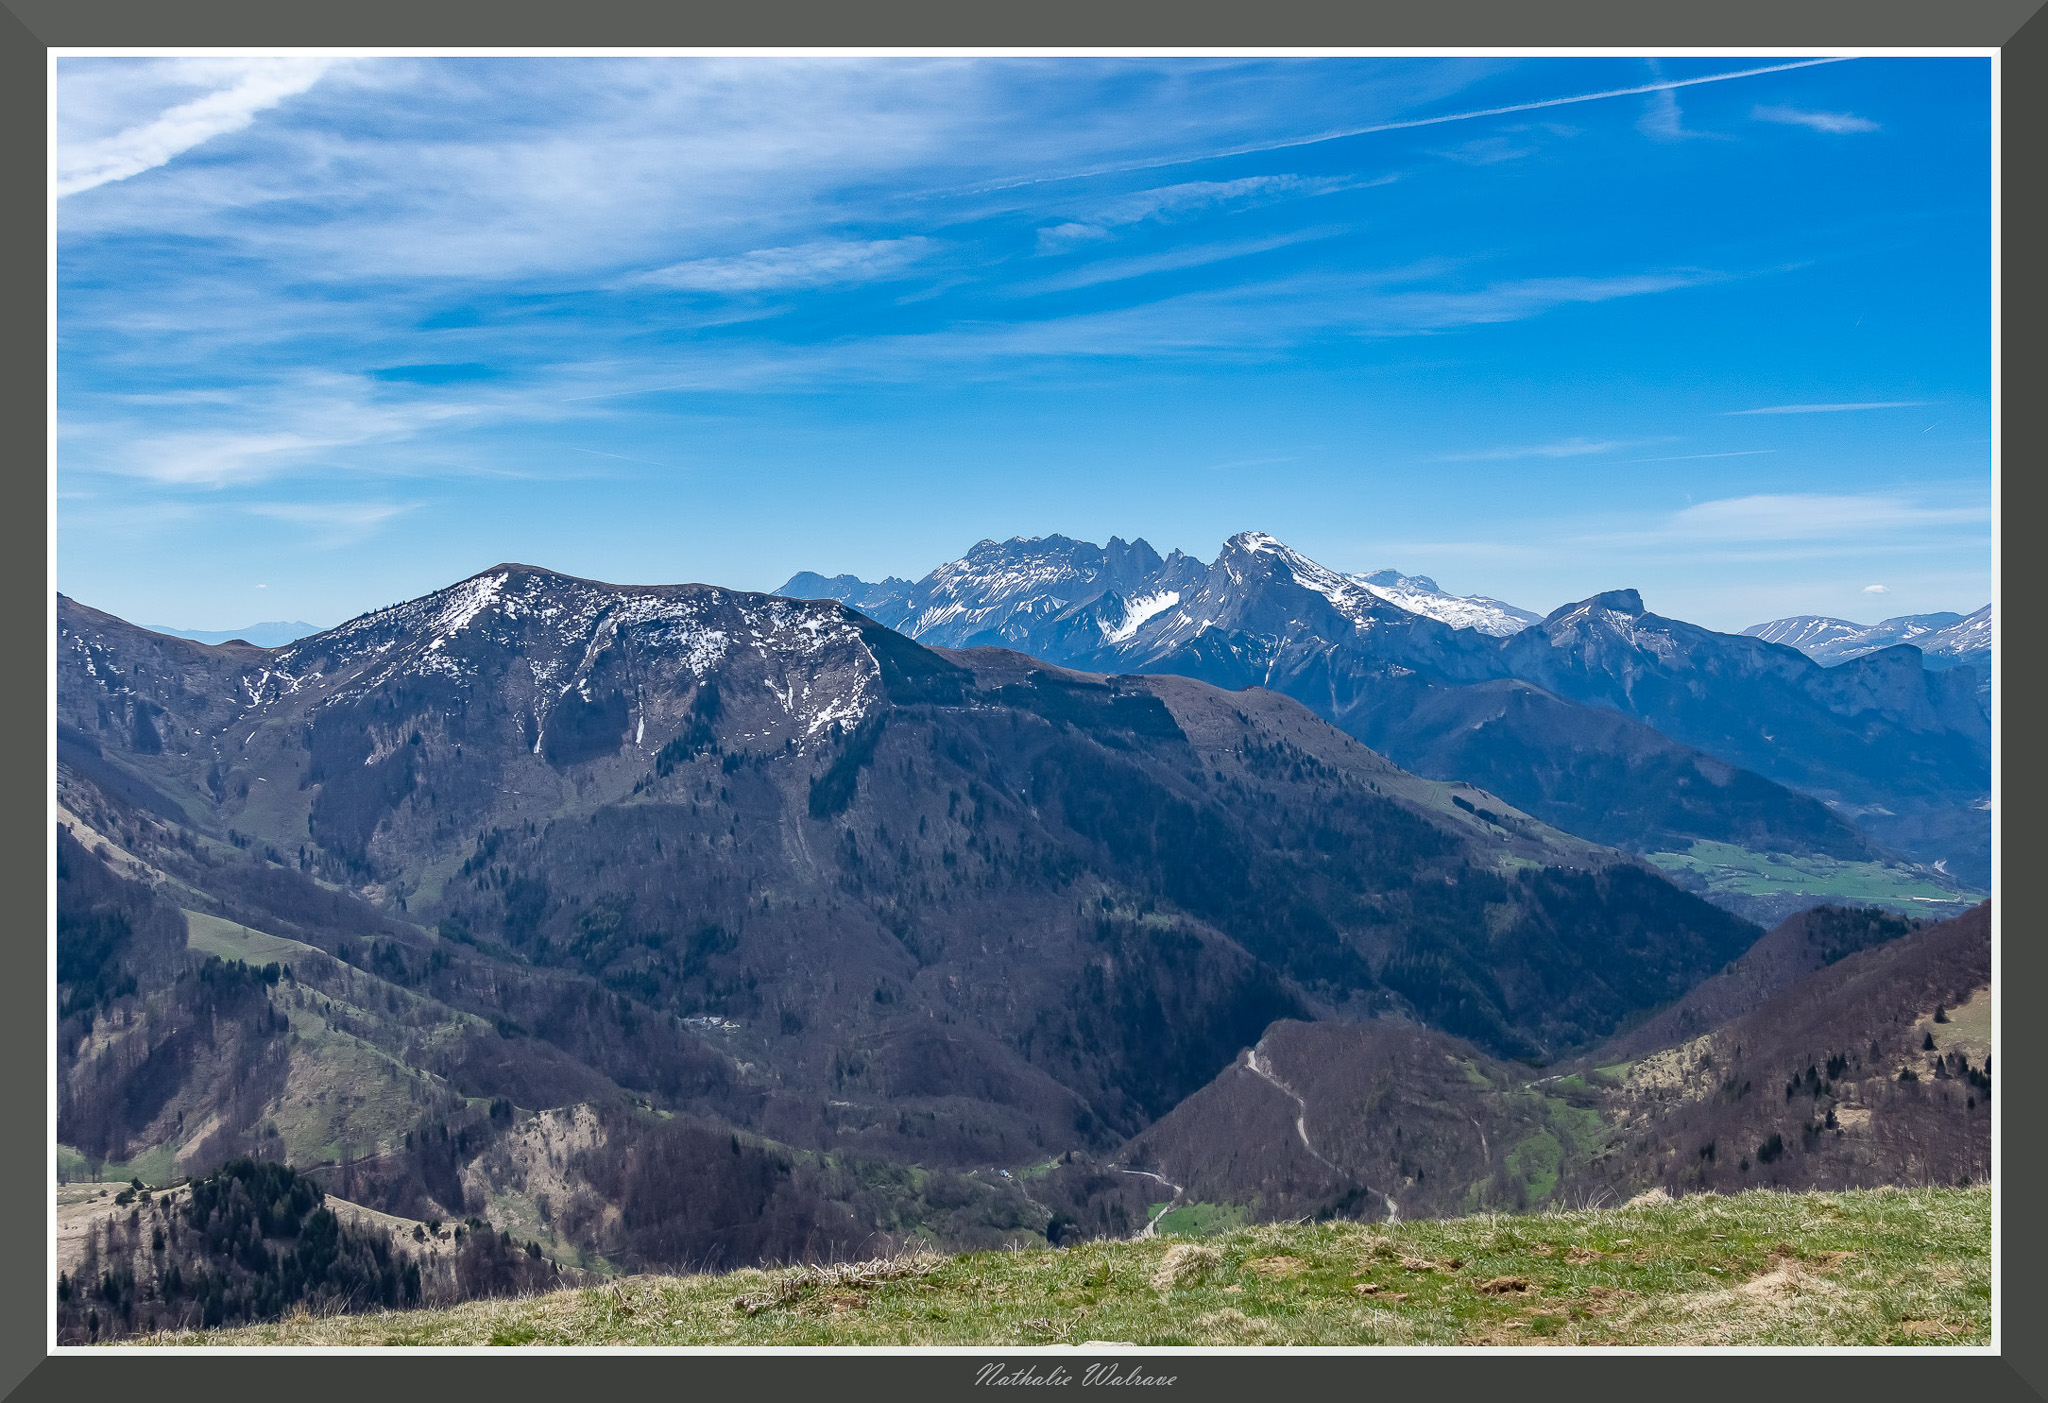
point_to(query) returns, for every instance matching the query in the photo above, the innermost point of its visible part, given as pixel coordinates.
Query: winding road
(1151, 1227)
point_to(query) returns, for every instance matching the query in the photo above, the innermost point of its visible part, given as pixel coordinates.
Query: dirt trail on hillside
(1264, 1071)
(1251, 1062)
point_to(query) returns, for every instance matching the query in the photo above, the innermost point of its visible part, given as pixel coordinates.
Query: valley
(1766, 886)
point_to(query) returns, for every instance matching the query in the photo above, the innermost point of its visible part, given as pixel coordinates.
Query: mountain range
(1602, 718)
(1944, 640)
(679, 926)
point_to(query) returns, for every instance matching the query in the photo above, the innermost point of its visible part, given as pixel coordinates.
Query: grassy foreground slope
(1864, 1267)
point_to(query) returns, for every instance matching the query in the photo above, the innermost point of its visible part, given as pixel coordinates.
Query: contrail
(1662, 85)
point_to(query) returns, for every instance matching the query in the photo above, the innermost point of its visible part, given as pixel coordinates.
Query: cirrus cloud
(1787, 516)
(1168, 202)
(1566, 448)
(1835, 123)
(257, 85)
(330, 524)
(818, 263)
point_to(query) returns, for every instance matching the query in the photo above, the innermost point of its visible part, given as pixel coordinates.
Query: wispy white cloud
(1690, 457)
(254, 86)
(1250, 463)
(1566, 448)
(818, 263)
(1729, 562)
(1831, 408)
(1488, 151)
(624, 458)
(1189, 196)
(271, 430)
(608, 166)
(1794, 516)
(1875, 589)
(1409, 124)
(1111, 270)
(1832, 122)
(1060, 238)
(1519, 300)
(1662, 120)
(1169, 202)
(331, 524)
(1243, 321)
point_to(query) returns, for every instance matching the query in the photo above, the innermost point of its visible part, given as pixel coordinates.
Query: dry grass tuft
(1276, 1266)
(1184, 1262)
(1372, 1288)
(1230, 1323)
(792, 1287)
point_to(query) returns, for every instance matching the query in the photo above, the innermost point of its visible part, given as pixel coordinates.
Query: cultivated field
(1729, 868)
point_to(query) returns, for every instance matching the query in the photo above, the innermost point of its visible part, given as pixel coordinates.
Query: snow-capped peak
(1944, 639)
(1348, 599)
(1356, 595)
(1419, 594)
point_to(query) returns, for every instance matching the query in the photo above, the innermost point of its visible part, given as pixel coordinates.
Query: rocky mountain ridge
(1602, 717)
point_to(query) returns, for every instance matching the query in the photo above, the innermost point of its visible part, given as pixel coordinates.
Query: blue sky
(333, 333)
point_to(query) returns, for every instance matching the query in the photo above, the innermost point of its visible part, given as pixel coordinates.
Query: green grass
(156, 1166)
(73, 1167)
(1740, 870)
(346, 1095)
(1972, 1023)
(210, 935)
(1202, 1219)
(1535, 1161)
(1870, 1267)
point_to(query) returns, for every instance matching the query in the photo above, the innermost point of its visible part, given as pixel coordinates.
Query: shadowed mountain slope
(1848, 1051)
